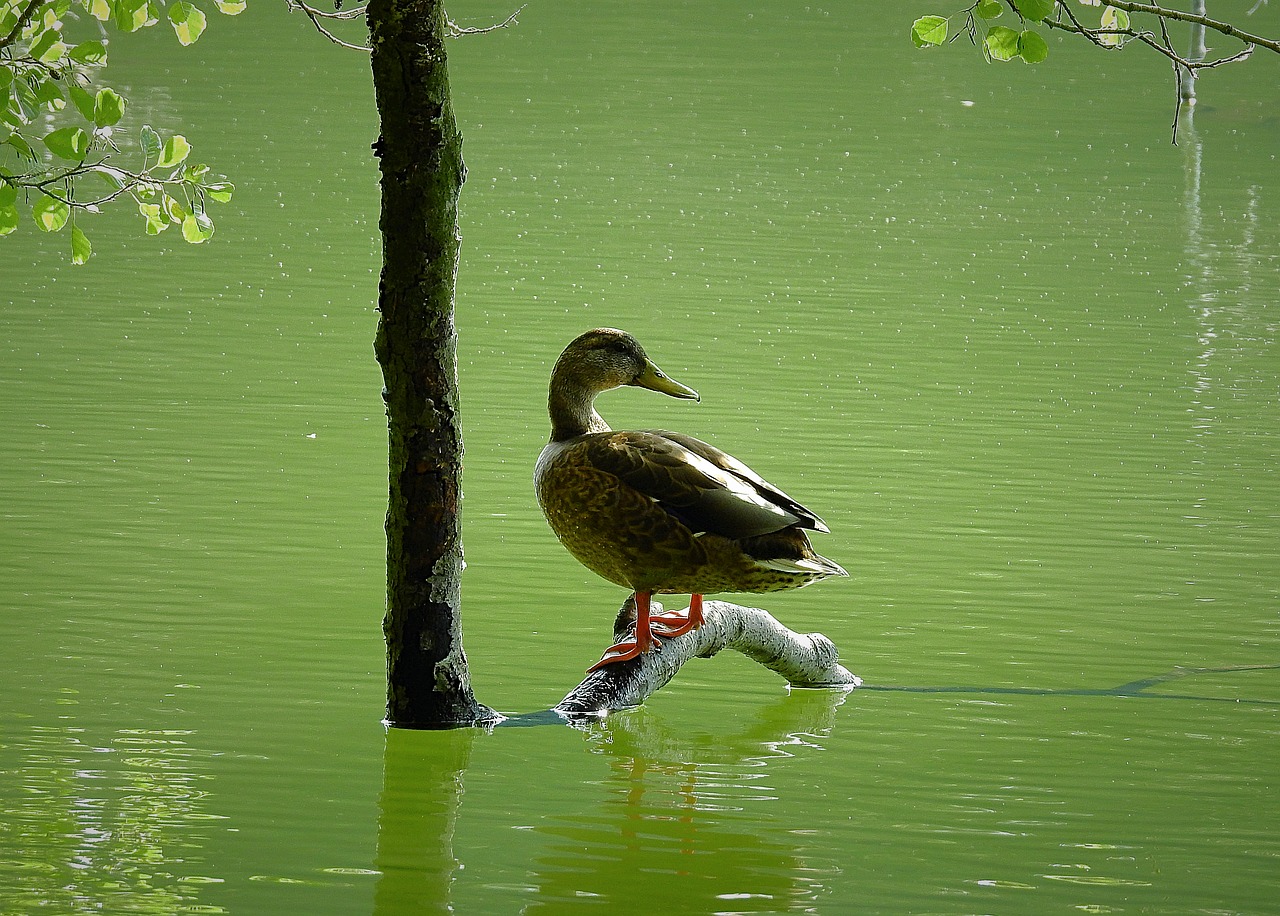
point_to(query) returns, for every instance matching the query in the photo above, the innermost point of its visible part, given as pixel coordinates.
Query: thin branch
(453, 29)
(1147, 38)
(1177, 82)
(23, 19)
(456, 31)
(129, 183)
(355, 12)
(803, 660)
(316, 15)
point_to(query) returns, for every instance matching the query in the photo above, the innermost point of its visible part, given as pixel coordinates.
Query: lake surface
(1017, 349)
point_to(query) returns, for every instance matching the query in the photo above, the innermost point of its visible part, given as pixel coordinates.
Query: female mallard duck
(657, 511)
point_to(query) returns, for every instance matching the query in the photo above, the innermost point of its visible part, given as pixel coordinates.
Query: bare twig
(316, 15)
(453, 29)
(803, 660)
(456, 31)
(356, 12)
(1177, 81)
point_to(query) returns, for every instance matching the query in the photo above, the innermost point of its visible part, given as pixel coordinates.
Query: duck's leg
(643, 639)
(675, 625)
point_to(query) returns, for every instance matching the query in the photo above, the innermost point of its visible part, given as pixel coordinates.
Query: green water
(1014, 347)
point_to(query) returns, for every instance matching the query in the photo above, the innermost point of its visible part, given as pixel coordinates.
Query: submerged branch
(803, 660)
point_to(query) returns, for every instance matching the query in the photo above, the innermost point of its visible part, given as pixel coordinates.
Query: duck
(656, 511)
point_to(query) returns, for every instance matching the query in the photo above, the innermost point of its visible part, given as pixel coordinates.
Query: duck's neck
(573, 413)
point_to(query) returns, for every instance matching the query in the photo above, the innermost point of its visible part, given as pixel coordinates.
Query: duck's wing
(726, 462)
(708, 490)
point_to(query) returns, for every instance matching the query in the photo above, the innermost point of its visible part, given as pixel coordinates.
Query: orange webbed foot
(620, 652)
(670, 625)
(643, 641)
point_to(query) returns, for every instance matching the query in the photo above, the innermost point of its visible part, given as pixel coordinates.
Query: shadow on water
(1139, 688)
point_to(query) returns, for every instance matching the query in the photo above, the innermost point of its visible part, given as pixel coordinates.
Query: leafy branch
(23, 19)
(1115, 29)
(59, 156)
(1166, 14)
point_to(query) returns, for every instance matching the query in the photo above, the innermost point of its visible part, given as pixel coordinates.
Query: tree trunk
(420, 152)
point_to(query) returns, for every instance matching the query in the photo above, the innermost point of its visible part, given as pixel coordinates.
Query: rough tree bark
(420, 152)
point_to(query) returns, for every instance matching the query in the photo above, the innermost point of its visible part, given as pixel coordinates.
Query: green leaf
(156, 223)
(24, 106)
(48, 47)
(49, 94)
(174, 210)
(176, 150)
(1031, 47)
(1113, 18)
(9, 220)
(928, 31)
(68, 143)
(221, 192)
(197, 228)
(231, 7)
(131, 15)
(150, 142)
(989, 9)
(9, 216)
(83, 102)
(100, 10)
(22, 146)
(108, 108)
(188, 21)
(1034, 10)
(80, 247)
(112, 176)
(1002, 43)
(89, 52)
(50, 213)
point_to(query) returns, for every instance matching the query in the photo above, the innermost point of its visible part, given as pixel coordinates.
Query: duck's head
(607, 358)
(597, 361)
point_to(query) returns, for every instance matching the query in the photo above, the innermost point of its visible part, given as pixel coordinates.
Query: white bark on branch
(803, 660)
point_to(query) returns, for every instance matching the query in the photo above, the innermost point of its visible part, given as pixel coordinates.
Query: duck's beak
(655, 379)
